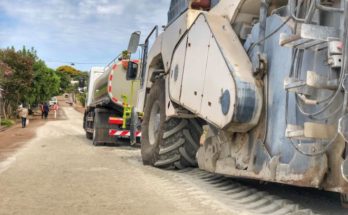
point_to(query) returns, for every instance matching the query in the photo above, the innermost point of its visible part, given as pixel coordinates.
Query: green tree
(25, 79)
(71, 71)
(65, 81)
(17, 70)
(46, 83)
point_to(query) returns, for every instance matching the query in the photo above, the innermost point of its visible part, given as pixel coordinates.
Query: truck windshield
(177, 7)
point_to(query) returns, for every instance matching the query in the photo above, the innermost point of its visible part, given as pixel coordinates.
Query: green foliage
(125, 55)
(81, 97)
(65, 81)
(71, 71)
(7, 123)
(25, 79)
(46, 83)
(16, 84)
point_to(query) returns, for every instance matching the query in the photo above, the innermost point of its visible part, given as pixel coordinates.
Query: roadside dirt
(15, 137)
(61, 172)
(12, 139)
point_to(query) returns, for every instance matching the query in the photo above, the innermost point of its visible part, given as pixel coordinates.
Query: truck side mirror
(134, 42)
(132, 71)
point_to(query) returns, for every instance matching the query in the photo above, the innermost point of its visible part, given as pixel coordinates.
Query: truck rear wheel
(89, 135)
(344, 200)
(167, 144)
(95, 137)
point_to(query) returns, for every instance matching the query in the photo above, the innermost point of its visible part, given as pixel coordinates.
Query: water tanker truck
(110, 117)
(266, 81)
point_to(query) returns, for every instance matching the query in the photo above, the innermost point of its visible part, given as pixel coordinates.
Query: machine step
(312, 37)
(310, 131)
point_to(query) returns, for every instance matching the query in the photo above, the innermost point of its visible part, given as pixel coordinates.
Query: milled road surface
(60, 172)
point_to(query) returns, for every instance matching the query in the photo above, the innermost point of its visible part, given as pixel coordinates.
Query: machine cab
(178, 7)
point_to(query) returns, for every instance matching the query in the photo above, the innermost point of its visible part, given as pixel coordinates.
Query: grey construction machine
(254, 89)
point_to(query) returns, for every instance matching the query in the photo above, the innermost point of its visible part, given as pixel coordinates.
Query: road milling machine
(110, 117)
(264, 81)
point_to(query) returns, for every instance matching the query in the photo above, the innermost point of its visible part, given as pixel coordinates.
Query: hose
(345, 101)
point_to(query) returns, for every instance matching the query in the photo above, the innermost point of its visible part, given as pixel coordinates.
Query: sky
(84, 32)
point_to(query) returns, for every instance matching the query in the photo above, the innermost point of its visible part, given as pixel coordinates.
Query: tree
(65, 81)
(17, 70)
(69, 70)
(25, 79)
(46, 83)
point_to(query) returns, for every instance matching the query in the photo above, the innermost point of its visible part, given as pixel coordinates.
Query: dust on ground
(61, 172)
(15, 137)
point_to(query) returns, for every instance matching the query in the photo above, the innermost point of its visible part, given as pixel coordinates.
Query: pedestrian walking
(46, 110)
(23, 114)
(55, 109)
(42, 110)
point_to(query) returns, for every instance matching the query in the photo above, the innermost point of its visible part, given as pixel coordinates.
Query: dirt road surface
(61, 172)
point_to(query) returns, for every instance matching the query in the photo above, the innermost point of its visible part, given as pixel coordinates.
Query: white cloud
(78, 30)
(110, 9)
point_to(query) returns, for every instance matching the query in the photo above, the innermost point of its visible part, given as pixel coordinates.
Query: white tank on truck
(110, 116)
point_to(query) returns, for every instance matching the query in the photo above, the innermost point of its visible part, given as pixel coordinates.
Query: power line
(75, 63)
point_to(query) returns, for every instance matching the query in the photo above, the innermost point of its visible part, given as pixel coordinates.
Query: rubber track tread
(175, 130)
(175, 146)
(184, 154)
(190, 139)
(197, 127)
(161, 163)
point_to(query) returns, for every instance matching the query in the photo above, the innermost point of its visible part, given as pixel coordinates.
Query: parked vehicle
(53, 101)
(110, 117)
(267, 81)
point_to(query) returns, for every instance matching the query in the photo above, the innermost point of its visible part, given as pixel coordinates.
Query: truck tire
(95, 136)
(89, 135)
(170, 144)
(344, 200)
(133, 127)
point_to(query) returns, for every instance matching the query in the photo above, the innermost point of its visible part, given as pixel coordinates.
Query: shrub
(7, 123)
(82, 98)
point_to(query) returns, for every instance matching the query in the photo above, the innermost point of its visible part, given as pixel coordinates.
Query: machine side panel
(177, 71)
(195, 66)
(173, 34)
(218, 101)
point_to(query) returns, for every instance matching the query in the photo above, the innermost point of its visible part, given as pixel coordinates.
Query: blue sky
(91, 32)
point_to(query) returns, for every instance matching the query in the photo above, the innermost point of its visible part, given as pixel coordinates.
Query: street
(61, 172)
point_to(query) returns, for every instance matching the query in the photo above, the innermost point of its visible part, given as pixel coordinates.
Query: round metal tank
(113, 87)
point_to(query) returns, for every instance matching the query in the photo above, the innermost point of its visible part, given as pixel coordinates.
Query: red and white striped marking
(124, 133)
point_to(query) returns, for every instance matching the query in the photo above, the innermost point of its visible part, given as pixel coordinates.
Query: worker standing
(23, 113)
(42, 110)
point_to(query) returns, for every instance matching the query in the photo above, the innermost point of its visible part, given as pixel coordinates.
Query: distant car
(53, 101)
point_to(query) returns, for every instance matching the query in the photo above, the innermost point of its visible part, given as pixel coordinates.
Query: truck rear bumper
(123, 133)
